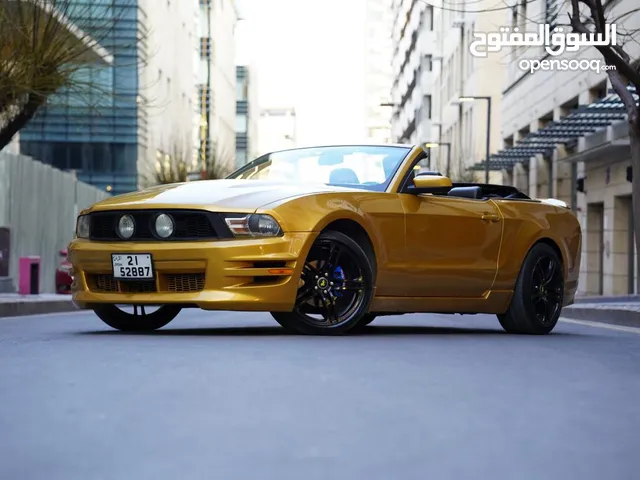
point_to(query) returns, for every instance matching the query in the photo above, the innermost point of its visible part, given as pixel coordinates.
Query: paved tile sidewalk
(13, 304)
(625, 311)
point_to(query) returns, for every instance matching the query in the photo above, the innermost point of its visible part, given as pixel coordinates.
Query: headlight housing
(255, 225)
(82, 226)
(164, 226)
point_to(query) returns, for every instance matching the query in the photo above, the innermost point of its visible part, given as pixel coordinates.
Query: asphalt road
(229, 396)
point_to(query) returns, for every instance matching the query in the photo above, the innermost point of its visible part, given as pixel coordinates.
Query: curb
(19, 308)
(611, 316)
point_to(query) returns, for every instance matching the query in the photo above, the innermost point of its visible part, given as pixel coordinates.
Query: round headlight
(164, 225)
(126, 227)
(264, 226)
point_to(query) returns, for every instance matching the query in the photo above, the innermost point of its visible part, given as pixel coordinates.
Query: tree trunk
(634, 138)
(19, 121)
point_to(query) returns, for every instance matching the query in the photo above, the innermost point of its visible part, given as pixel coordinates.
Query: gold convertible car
(326, 239)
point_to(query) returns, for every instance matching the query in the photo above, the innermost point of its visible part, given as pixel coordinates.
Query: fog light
(164, 225)
(126, 227)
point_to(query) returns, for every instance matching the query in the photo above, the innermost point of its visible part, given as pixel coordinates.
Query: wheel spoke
(549, 272)
(330, 310)
(305, 295)
(309, 270)
(334, 255)
(352, 285)
(550, 310)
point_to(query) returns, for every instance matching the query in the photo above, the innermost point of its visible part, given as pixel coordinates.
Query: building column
(562, 186)
(608, 260)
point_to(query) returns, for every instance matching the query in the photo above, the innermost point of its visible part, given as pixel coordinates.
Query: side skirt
(495, 302)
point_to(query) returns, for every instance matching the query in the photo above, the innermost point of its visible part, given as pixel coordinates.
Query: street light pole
(431, 145)
(488, 143)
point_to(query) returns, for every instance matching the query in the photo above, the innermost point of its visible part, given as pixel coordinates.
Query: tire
(538, 296)
(342, 299)
(127, 322)
(366, 319)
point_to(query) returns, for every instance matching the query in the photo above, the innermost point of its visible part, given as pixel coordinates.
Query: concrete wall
(38, 203)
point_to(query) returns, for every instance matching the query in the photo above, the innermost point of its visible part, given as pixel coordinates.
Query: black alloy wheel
(538, 295)
(142, 319)
(336, 288)
(547, 292)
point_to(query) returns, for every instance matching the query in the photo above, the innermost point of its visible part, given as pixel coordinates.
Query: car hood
(222, 195)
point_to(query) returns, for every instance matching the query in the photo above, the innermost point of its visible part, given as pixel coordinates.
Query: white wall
(169, 80)
(224, 76)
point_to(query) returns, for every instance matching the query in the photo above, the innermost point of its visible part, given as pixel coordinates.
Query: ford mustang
(326, 239)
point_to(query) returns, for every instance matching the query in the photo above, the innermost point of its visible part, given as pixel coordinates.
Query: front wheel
(139, 321)
(538, 295)
(336, 288)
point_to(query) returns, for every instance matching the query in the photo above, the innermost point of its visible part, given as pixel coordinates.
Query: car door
(452, 245)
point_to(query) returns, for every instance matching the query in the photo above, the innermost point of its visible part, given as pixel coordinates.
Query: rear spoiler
(555, 202)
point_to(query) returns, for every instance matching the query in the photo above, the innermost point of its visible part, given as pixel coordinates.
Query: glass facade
(98, 126)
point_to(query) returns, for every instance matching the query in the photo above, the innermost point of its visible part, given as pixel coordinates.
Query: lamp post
(440, 144)
(486, 161)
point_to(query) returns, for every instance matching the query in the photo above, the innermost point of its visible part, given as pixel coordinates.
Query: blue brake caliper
(338, 276)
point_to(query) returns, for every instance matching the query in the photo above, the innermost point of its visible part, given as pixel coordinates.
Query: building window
(205, 47)
(427, 63)
(241, 123)
(428, 18)
(241, 89)
(426, 105)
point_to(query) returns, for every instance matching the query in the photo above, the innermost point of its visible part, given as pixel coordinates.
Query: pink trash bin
(29, 275)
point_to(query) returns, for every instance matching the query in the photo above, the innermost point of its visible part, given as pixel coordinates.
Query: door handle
(490, 217)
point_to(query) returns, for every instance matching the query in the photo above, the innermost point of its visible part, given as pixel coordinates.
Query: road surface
(229, 396)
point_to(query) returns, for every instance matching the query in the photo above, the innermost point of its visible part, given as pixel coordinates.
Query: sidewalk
(623, 310)
(13, 304)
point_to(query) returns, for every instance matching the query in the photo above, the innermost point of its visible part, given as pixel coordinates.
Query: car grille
(165, 283)
(189, 225)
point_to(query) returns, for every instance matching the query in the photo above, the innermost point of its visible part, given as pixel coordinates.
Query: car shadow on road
(266, 331)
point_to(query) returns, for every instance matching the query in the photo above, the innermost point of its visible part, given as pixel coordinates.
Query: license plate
(132, 266)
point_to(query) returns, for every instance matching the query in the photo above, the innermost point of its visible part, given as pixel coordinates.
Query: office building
(246, 115)
(564, 135)
(217, 82)
(277, 127)
(413, 44)
(142, 102)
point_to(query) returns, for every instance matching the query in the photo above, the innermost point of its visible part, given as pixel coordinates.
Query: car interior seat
(474, 192)
(343, 175)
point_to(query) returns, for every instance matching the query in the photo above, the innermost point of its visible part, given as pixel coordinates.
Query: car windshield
(366, 167)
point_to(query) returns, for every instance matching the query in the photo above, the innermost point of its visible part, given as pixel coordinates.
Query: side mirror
(431, 181)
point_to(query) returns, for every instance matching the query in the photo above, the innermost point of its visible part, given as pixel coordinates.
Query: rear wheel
(538, 296)
(336, 288)
(141, 319)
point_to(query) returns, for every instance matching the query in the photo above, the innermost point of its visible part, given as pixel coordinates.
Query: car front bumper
(241, 275)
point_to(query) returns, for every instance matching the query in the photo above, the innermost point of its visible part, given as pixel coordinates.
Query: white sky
(309, 55)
